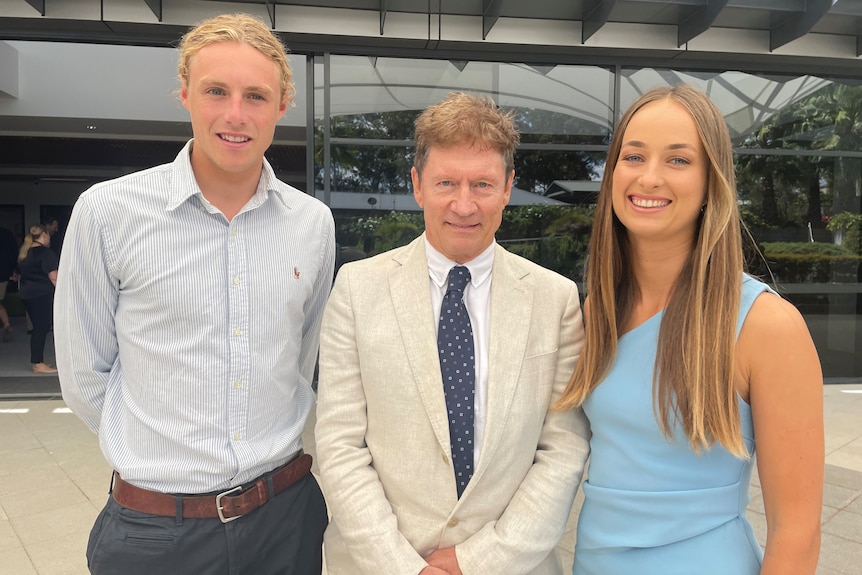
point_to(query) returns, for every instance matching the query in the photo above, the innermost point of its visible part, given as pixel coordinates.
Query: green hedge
(821, 248)
(814, 268)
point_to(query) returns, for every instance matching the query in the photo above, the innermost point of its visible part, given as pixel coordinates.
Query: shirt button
(233, 232)
(237, 436)
(236, 281)
(238, 385)
(453, 522)
(237, 331)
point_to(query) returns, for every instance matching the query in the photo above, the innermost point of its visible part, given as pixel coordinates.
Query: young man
(439, 362)
(187, 320)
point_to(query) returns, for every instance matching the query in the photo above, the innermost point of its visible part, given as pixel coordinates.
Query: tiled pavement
(53, 481)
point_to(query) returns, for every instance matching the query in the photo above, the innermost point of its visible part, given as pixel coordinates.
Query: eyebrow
(218, 84)
(639, 144)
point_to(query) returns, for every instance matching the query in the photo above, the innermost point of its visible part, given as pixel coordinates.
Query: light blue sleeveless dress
(652, 505)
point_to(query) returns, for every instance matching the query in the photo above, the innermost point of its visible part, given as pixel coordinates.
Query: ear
(282, 108)
(509, 181)
(417, 186)
(184, 93)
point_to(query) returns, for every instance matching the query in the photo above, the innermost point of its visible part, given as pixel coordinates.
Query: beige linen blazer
(383, 437)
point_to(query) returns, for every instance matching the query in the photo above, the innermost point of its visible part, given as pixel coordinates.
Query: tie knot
(459, 277)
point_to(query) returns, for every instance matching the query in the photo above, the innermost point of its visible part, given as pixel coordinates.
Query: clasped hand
(442, 562)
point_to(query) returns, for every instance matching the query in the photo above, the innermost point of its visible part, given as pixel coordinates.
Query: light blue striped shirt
(187, 342)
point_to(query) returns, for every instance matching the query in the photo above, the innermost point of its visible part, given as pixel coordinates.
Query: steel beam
(270, 9)
(699, 22)
(38, 5)
(490, 15)
(460, 64)
(596, 14)
(799, 23)
(156, 7)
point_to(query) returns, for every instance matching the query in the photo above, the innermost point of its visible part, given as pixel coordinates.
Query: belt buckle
(219, 507)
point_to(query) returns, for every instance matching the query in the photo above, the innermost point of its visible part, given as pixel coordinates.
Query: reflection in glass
(369, 169)
(563, 113)
(797, 139)
(570, 177)
(555, 236)
(746, 100)
(558, 100)
(812, 253)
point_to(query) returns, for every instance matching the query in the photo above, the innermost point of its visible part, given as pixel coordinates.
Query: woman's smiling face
(659, 181)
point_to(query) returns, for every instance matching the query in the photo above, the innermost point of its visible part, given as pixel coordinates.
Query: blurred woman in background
(38, 269)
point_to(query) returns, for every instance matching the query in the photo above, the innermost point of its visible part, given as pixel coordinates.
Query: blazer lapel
(411, 299)
(511, 309)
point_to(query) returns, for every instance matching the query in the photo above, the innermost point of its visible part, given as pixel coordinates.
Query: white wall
(68, 80)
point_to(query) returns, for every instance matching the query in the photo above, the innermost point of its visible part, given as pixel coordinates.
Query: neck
(656, 269)
(228, 191)
(227, 199)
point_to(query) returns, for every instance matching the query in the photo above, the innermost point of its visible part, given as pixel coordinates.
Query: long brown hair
(36, 232)
(693, 374)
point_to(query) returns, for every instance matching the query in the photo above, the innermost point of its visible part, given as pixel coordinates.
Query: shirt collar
(439, 265)
(184, 185)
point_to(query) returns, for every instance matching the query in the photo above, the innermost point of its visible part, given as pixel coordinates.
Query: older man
(439, 361)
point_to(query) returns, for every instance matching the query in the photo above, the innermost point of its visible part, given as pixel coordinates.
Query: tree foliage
(787, 190)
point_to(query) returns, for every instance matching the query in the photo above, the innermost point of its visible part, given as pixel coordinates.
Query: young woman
(688, 366)
(38, 267)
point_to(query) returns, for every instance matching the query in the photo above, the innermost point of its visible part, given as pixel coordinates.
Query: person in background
(188, 320)
(8, 265)
(439, 363)
(53, 227)
(37, 267)
(690, 367)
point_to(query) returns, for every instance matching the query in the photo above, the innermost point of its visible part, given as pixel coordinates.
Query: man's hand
(445, 560)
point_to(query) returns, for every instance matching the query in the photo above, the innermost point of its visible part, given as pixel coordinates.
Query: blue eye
(216, 91)
(680, 161)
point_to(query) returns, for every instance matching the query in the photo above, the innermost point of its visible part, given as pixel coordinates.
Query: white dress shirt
(186, 341)
(477, 300)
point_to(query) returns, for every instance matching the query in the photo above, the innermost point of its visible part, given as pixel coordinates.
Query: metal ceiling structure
(784, 20)
(761, 37)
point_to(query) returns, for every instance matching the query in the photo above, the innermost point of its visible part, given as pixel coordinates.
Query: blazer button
(445, 458)
(453, 522)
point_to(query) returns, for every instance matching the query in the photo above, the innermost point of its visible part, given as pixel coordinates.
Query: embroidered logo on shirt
(296, 273)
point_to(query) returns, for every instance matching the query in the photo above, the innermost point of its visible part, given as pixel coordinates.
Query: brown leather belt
(227, 505)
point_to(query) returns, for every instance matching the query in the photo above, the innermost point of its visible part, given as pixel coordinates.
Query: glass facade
(797, 142)
(364, 113)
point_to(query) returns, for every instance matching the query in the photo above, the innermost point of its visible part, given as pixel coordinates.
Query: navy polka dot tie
(457, 363)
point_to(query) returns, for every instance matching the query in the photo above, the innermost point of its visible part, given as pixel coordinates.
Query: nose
(235, 113)
(651, 176)
(463, 204)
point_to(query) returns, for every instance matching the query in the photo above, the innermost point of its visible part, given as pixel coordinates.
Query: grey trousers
(282, 537)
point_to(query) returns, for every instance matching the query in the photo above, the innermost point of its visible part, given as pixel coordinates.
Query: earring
(702, 208)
